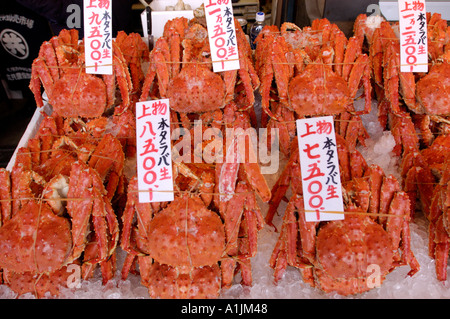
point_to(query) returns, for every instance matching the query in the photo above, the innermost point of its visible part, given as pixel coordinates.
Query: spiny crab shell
(187, 234)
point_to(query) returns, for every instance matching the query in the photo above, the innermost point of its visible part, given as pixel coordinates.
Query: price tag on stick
(154, 156)
(98, 36)
(222, 35)
(413, 36)
(321, 180)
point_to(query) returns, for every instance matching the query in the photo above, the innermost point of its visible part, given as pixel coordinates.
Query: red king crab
(60, 67)
(223, 191)
(424, 94)
(44, 235)
(337, 256)
(317, 71)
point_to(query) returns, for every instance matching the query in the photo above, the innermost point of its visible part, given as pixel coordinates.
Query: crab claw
(35, 240)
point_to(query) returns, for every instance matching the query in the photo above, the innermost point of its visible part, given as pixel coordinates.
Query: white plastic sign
(322, 189)
(154, 156)
(222, 35)
(413, 36)
(98, 36)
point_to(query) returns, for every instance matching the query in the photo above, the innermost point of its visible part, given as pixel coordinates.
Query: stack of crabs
(70, 202)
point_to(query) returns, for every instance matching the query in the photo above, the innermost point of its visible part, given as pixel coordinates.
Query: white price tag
(98, 36)
(154, 156)
(413, 36)
(222, 35)
(321, 180)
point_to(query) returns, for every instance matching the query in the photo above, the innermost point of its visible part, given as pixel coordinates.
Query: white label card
(322, 189)
(222, 35)
(413, 36)
(98, 36)
(154, 155)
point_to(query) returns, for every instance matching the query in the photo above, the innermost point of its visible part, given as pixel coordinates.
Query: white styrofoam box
(160, 16)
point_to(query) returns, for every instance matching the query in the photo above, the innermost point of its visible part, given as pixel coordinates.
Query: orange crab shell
(346, 249)
(186, 233)
(318, 90)
(35, 240)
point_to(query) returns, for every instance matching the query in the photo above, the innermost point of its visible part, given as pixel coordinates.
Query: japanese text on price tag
(98, 36)
(154, 158)
(413, 36)
(222, 35)
(321, 180)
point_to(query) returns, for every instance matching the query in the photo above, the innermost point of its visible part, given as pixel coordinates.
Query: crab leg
(229, 77)
(278, 259)
(352, 52)
(80, 209)
(232, 219)
(122, 80)
(399, 214)
(47, 52)
(158, 68)
(228, 266)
